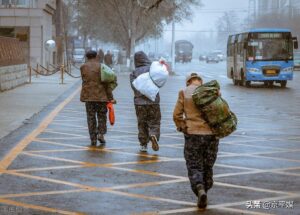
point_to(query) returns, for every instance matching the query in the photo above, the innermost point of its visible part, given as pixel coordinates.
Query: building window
(18, 3)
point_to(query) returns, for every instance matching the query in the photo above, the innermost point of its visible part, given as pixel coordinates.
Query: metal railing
(43, 71)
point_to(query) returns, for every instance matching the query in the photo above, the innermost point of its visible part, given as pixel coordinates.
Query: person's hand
(183, 130)
(113, 101)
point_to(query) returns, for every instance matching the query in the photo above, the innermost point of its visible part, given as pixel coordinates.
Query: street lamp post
(173, 46)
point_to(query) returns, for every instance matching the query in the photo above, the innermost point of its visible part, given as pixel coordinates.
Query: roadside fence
(65, 69)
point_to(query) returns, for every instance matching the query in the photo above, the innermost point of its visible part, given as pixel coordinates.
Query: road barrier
(43, 71)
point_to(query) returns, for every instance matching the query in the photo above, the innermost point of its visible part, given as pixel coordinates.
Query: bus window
(232, 39)
(240, 38)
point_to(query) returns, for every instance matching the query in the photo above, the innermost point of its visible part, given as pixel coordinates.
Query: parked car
(78, 55)
(219, 54)
(297, 60)
(202, 57)
(212, 58)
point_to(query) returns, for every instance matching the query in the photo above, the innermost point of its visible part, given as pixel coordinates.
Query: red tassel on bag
(111, 113)
(163, 62)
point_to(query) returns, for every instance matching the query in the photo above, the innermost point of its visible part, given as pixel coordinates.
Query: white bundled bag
(159, 72)
(149, 83)
(145, 86)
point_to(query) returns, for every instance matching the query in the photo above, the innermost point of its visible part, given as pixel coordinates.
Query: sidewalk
(19, 104)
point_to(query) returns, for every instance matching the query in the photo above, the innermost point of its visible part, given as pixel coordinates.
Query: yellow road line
(63, 138)
(253, 188)
(59, 144)
(145, 172)
(40, 193)
(273, 158)
(58, 150)
(64, 133)
(96, 164)
(139, 196)
(36, 207)
(56, 181)
(146, 184)
(47, 168)
(11, 156)
(108, 189)
(54, 158)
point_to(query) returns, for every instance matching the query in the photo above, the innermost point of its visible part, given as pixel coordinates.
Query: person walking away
(96, 95)
(101, 55)
(201, 145)
(108, 59)
(147, 111)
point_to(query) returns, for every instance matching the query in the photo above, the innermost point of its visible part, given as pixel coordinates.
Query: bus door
(235, 58)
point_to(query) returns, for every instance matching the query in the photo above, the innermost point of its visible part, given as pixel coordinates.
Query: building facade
(285, 7)
(31, 21)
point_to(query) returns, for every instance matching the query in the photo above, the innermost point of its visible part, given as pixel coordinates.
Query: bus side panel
(229, 66)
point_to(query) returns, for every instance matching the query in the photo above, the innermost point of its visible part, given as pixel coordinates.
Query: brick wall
(13, 76)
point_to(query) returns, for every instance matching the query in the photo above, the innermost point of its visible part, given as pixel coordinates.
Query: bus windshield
(270, 49)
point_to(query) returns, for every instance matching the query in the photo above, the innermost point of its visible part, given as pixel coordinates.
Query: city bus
(261, 55)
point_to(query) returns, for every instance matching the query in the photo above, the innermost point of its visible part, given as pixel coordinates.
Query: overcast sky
(203, 21)
(205, 17)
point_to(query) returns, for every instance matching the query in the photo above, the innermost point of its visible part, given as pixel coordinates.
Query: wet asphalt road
(54, 171)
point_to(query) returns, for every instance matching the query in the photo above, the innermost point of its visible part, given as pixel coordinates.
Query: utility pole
(291, 14)
(59, 31)
(173, 46)
(251, 13)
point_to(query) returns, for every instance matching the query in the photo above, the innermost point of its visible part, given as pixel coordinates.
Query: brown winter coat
(93, 90)
(186, 115)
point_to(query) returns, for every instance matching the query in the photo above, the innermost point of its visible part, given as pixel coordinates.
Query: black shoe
(202, 197)
(94, 143)
(154, 142)
(101, 139)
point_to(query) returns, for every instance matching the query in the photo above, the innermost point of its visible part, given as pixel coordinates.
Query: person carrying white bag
(149, 83)
(147, 111)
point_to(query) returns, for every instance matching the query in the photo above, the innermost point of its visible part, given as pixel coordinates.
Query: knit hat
(191, 76)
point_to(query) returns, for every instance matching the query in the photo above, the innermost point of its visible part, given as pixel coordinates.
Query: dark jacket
(142, 65)
(93, 90)
(101, 55)
(108, 59)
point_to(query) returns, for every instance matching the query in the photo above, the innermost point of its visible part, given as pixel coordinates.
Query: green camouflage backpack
(215, 109)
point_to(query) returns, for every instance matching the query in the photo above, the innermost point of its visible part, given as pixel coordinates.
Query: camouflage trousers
(96, 111)
(200, 153)
(148, 117)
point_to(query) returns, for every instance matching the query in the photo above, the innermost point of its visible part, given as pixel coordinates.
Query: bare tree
(226, 25)
(127, 22)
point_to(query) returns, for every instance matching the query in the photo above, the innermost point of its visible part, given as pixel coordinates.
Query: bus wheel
(283, 84)
(266, 83)
(271, 83)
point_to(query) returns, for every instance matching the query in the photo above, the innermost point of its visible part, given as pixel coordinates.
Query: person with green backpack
(96, 92)
(201, 144)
